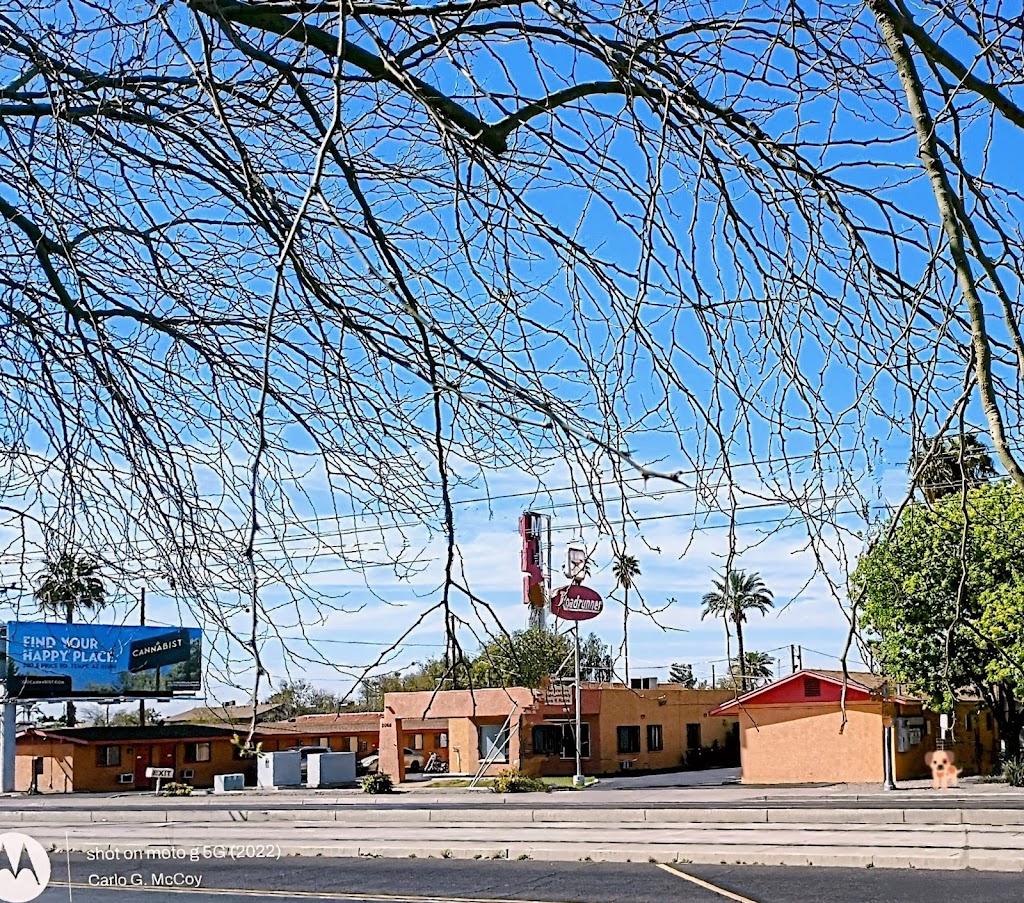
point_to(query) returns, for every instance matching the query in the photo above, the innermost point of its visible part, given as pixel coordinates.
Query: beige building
(792, 731)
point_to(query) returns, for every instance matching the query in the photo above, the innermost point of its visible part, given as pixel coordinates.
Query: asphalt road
(412, 880)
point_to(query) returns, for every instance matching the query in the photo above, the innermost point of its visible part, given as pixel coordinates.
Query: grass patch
(559, 783)
(565, 783)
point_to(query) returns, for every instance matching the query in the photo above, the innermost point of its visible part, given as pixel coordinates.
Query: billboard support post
(142, 623)
(8, 750)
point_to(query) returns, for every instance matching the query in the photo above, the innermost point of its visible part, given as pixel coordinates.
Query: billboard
(57, 661)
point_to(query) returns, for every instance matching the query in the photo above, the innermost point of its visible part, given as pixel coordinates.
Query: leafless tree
(274, 271)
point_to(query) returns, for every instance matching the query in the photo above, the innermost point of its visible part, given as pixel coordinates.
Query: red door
(142, 754)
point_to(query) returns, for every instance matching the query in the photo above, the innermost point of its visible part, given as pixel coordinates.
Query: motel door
(142, 754)
(145, 756)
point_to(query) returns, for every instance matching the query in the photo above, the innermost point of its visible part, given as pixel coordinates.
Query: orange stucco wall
(71, 767)
(605, 708)
(58, 766)
(801, 744)
(669, 706)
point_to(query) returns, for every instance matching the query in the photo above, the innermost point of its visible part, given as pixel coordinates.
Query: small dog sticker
(943, 771)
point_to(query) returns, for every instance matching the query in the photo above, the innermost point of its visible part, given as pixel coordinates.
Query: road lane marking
(305, 894)
(707, 885)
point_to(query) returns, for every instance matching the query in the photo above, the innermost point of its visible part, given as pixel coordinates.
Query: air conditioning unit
(126, 778)
(187, 774)
(626, 765)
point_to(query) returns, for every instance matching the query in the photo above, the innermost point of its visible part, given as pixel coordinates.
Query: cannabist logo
(24, 868)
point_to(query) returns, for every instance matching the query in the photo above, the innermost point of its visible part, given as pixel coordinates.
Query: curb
(920, 858)
(662, 817)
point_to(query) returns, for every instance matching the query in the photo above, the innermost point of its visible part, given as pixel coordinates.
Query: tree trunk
(946, 200)
(625, 636)
(728, 654)
(742, 655)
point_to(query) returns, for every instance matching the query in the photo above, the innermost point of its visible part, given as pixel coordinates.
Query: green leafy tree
(625, 570)
(525, 657)
(70, 584)
(595, 659)
(735, 594)
(759, 668)
(942, 602)
(682, 674)
(945, 464)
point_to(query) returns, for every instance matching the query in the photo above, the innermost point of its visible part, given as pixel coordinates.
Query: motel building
(105, 759)
(645, 727)
(790, 731)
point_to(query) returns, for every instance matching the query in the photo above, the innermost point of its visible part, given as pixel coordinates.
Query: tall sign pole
(578, 779)
(576, 603)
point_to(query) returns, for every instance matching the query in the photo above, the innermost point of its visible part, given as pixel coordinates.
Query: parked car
(414, 762)
(304, 753)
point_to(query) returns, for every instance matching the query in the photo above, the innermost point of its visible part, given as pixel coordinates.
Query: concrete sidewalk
(716, 793)
(538, 826)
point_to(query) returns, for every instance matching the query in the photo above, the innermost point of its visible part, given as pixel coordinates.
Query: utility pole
(792, 657)
(142, 622)
(888, 710)
(8, 727)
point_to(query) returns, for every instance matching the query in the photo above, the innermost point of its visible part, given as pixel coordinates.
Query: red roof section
(809, 687)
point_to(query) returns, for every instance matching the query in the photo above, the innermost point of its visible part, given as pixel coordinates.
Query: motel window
(628, 738)
(197, 752)
(812, 687)
(547, 739)
(559, 740)
(325, 742)
(493, 742)
(352, 744)
(693, 735)
(442, 741)
(108, 755)
(655, 739)
(417, 741)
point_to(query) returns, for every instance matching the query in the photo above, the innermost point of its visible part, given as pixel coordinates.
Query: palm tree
(734, 595)
(943, 464)
(625, 569)
(759, 666)
(70, 584)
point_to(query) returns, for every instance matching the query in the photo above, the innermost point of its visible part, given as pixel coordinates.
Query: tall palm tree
(943, 464)
(625, 570)
(736, 593)
(69, 584)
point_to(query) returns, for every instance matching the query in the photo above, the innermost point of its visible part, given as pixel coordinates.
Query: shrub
(175, 789)
(512, 780)
(1013, 771)
(377, 782)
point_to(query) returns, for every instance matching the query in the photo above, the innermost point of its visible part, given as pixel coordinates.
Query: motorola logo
(24, 868)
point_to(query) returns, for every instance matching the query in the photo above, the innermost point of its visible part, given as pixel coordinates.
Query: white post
(8, 746)
(578, 780)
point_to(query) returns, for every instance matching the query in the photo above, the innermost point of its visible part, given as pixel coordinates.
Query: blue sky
(678, 552)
